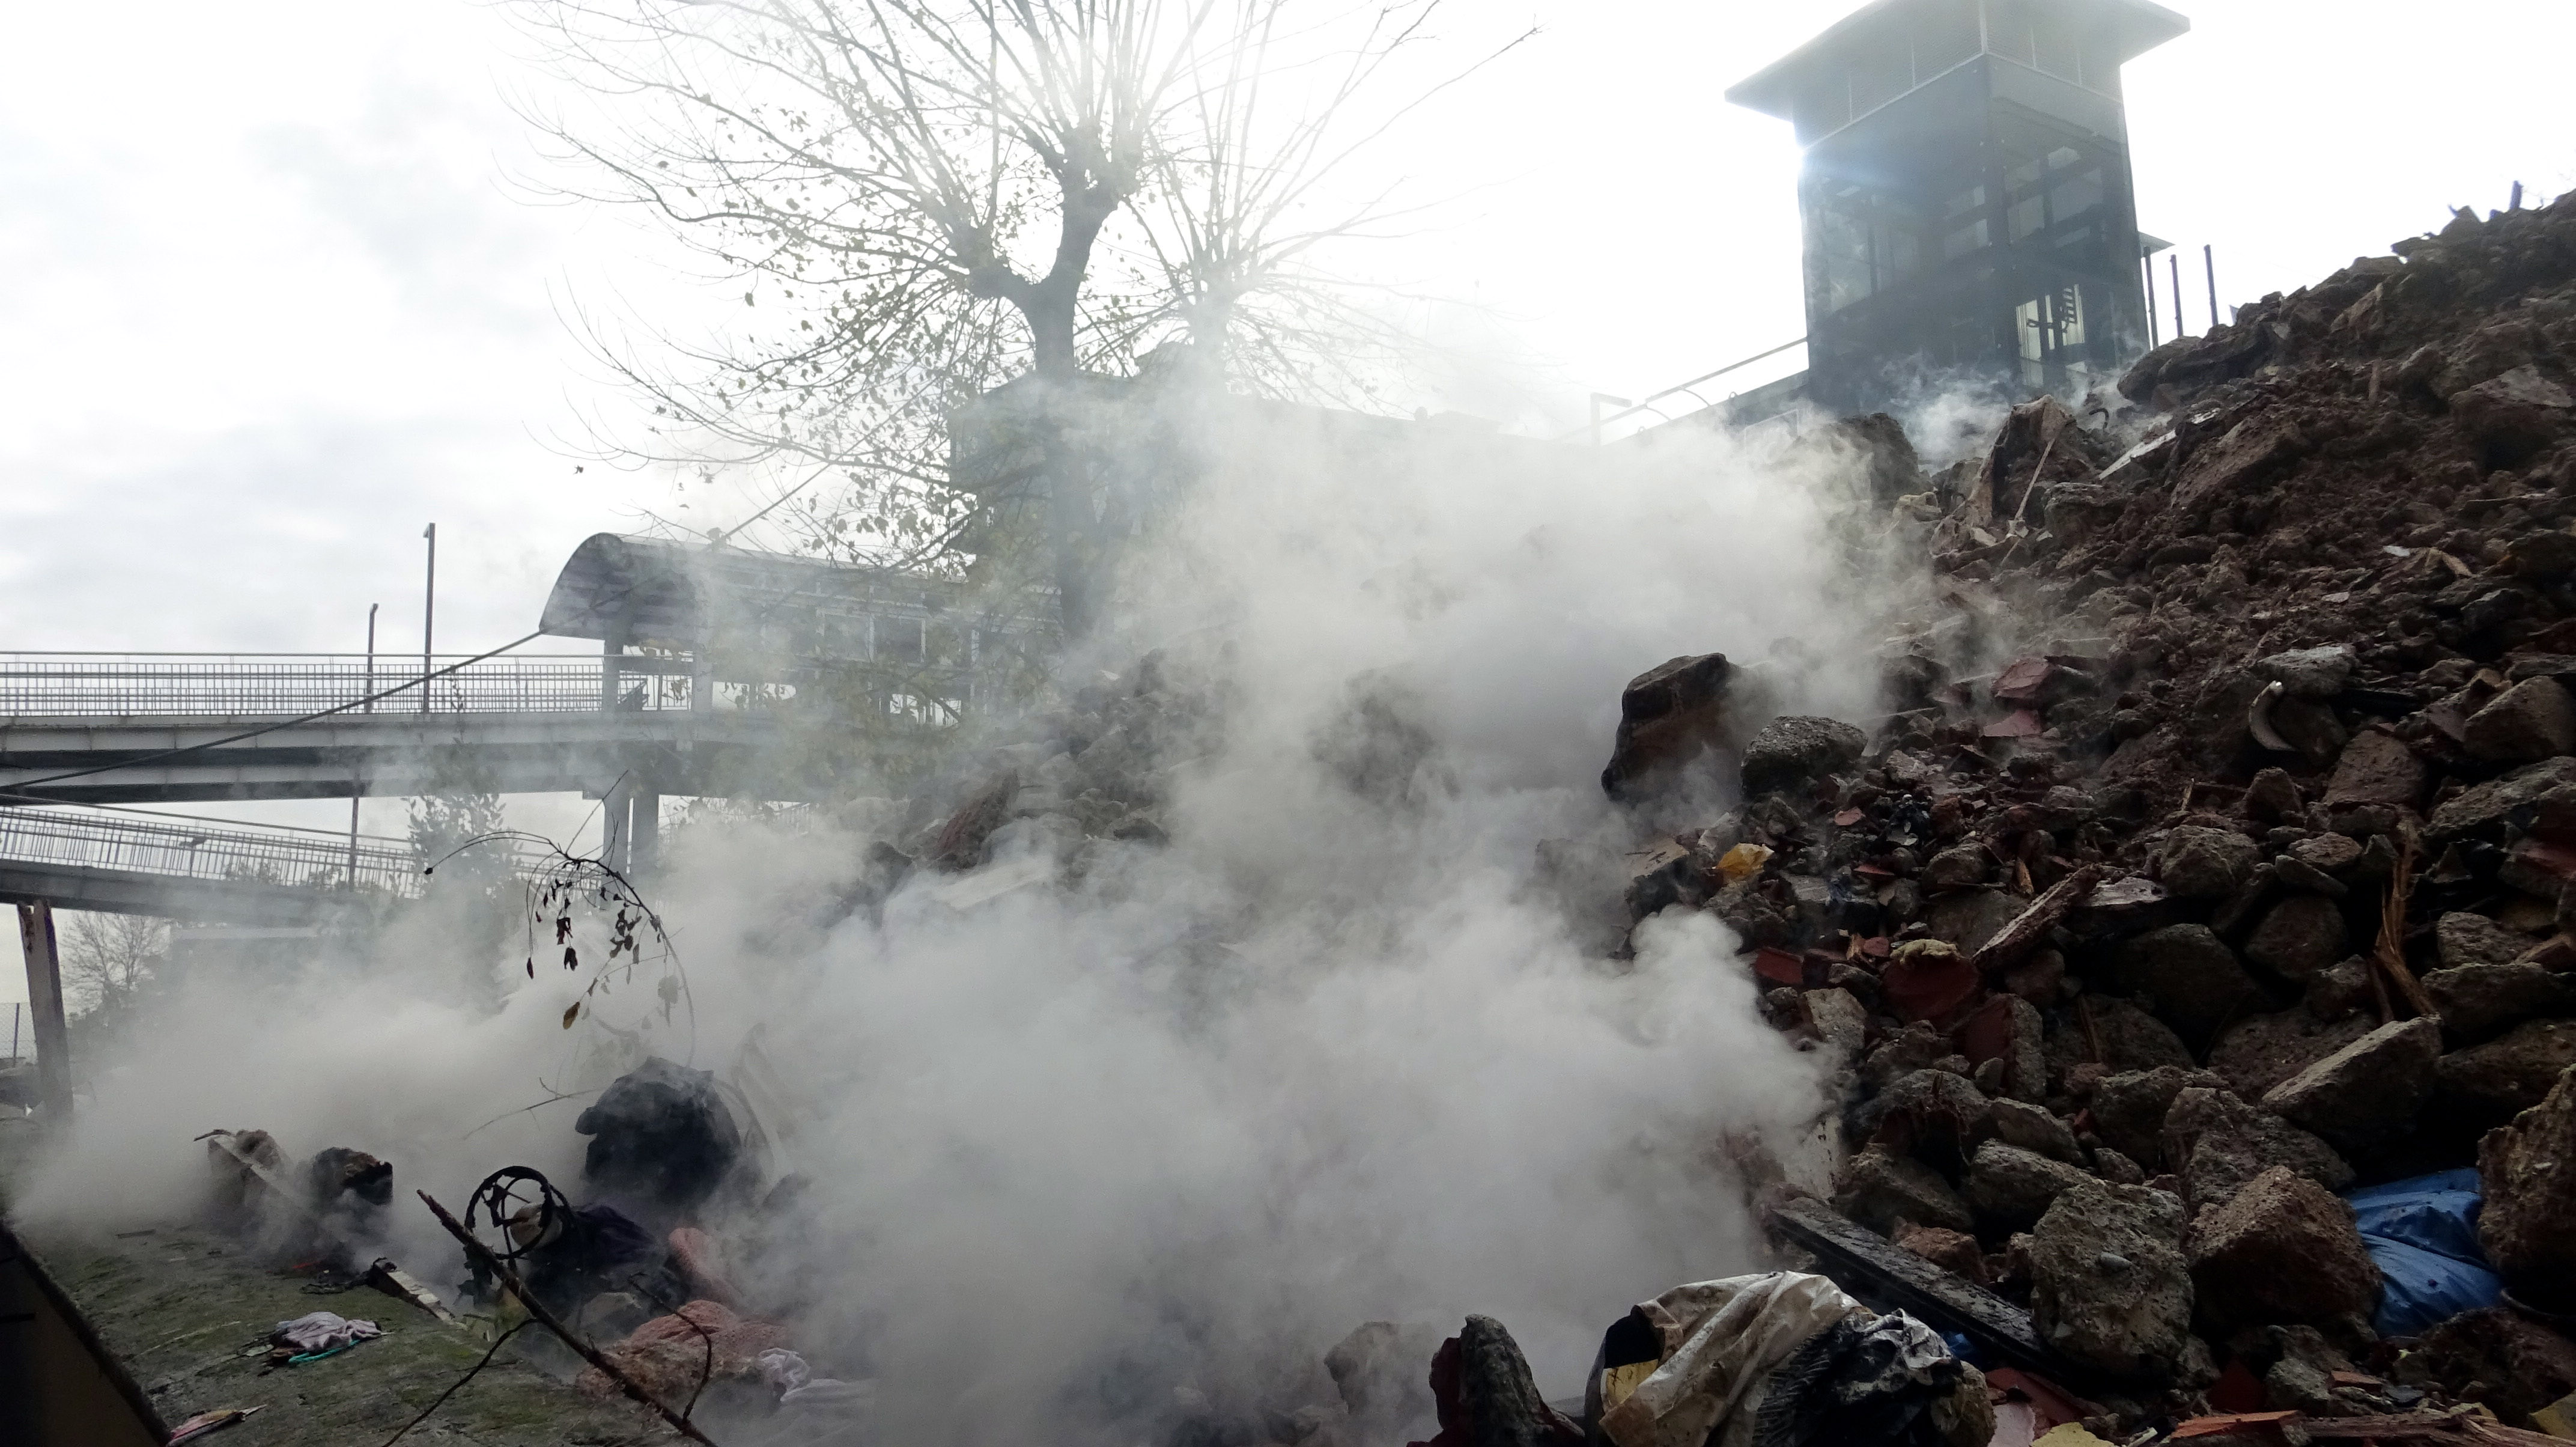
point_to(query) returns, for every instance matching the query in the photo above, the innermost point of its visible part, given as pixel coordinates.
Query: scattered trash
(662, 1139)
(314, 1336)
(702, 1341)
(2423, 1234)
(206, 1422)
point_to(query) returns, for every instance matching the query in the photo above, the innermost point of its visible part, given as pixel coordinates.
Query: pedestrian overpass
(210, 871)
(719, 672)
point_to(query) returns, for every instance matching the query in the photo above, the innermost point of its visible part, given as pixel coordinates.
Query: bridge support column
(613, 836)
(45, 1002)
(644, 834)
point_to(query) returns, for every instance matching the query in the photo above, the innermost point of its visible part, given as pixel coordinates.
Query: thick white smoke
(1082, 1155)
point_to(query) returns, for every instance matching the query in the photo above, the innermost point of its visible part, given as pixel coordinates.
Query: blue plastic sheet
(2423, 1233)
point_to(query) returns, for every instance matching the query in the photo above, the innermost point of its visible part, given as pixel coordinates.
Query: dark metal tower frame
(1966, 195)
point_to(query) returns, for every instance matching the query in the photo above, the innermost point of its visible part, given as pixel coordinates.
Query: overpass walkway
(213, 871)
(166, 728)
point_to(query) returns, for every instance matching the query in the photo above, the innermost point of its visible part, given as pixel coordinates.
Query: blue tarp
(2423, 1233)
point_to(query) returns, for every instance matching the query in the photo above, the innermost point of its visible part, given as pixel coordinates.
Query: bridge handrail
(242, 853)
(63, 684)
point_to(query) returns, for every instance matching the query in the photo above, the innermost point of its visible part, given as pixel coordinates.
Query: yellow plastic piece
(1618, 1382)
(1742, 862)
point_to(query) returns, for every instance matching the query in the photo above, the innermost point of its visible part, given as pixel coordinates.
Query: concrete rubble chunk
(2367, 1094)
(2274, 795)
(2033, 1128)
(1497, 1393)
(1377, 1370)
(1956, 1252)
(2516, 414)
(2006, 1036)
(1799, 749)
(1668, 717)
(2011, 1188)
(2131, 1039)
(2215, 1142)
(1959, 867)
(1937, 1112)
(2196, 862)
(2506, 1362)
(2281, 1249)
(2129, 1109)
(1879, 1188)
(2528, 1170)
(2298, 937)
(1967, 919)
(2327, 853)
(2473, 939)
(2317, 673)
(2109, 1284)
(2188, 975)
(2531, 721)
(2265, 1050)
(1911, 1049)
(2511, 1073)
(2302, 1380)
(2477, 1001)
(2376, 769)
(2341, 990)
(2482, 809)
(1839, 1020)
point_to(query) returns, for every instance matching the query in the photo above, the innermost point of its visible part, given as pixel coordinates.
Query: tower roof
(2128, 28)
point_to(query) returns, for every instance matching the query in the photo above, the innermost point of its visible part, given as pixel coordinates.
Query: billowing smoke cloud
(1085, 1154)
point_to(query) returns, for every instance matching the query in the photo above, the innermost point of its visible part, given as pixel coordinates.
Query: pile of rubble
(2195, 933)
(1044, 797)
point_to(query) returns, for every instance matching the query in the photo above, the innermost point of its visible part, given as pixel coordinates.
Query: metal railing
(1631, 409)
(212, 851)
(234, 684)
(289, 685)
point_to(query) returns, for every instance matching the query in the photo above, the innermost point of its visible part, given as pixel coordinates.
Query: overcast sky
(269, 300)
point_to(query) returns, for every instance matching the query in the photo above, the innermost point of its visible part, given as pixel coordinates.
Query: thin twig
(460, 1381)
(537, 1312)
(2391, 953)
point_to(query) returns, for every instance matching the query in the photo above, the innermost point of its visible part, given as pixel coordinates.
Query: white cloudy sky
(269, 300)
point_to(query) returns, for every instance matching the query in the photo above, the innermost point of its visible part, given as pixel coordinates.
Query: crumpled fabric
(788, 1374)
(322, 1331)
(1722, 1340)
(784, 1370)
(1860, 1382)
(703, 1341)
(831, 1394)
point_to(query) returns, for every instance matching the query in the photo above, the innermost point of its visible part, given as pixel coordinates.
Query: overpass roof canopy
(687, 595)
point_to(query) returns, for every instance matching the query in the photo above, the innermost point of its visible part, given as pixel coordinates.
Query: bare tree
(109, 959)
(926, 198)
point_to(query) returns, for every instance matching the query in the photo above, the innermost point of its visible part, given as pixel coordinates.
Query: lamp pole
(428, 614)
(369, 694)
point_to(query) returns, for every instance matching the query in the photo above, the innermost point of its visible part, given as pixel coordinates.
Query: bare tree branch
(925, 198)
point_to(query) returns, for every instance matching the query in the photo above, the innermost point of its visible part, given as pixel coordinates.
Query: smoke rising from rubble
(1334, 1054)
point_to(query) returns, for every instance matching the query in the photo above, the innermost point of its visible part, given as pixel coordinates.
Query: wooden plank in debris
(2461, 1425)
(2033, 924)
(1890, 1278)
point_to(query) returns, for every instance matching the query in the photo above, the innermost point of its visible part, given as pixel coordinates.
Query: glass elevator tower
(1966, 193)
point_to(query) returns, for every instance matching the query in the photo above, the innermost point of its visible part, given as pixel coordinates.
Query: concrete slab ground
(183, 1312)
